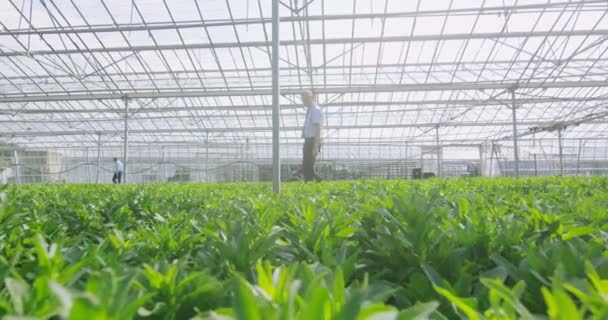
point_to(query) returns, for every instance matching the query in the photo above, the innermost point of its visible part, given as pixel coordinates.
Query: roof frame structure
(380, 69)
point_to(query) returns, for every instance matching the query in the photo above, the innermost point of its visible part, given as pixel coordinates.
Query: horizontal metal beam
(326, 41)
(168, 25)
(237, 84)
(143, 116)
(561, 125)
(183, 145)
(416, 66)
(285, 141)
(36, 97)
(266, 107)
(220, 144)
(290, 128)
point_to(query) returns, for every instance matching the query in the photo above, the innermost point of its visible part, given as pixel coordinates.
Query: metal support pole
(535, 165)
(162, 164)
(578, 158)
(276, 161)
(406, 161)
(499, 166)
(199, 164)
(481, 164)
(241, 166)
(17, 167)
(247, 153)
(561, 152)
(501, 170)
(515, 149)
(98, 157)
(207, 157)
(202, 173)
(126, 141)
(421, 162)
(86, 150)
(491, 173)
(439, 150)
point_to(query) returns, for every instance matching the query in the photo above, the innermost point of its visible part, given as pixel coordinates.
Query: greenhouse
(458, 150)
(184, 89)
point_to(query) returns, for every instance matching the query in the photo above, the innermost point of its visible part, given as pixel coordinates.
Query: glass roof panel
(384, 70)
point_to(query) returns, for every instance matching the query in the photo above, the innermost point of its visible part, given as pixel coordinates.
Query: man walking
(118, 170)
(311, 132)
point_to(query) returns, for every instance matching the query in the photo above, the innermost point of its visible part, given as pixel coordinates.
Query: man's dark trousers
(309, 159)
(117, 177)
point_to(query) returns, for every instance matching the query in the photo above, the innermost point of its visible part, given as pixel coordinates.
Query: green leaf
(419, 311)
(567, 308)
(377, 311)
(85, 309)
(574, 232)
(220, 314)
(41, 251)
(432, 275)
(18, 292)
(347, 232)
(245, 302)
(64, 296)
(599, 284)
(511, 297)
(316, 307)
(350, 311)
(264, 272)
(133, 307)
(460, 303)
(559, 305)
(463, 206)
(338, 290)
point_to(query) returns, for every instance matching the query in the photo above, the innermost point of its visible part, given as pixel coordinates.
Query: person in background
(297, 175)
(118, 170)
(311, 132)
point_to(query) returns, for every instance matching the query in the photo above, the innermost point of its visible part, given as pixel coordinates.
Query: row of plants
(434, 249)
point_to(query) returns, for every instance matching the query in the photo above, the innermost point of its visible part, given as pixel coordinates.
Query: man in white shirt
(311, 132)
(118, 169)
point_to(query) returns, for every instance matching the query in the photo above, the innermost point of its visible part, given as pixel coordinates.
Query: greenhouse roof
(384, 70)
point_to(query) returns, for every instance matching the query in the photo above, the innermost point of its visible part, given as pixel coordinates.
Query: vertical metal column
(491, 173)
(421, 161)
(578, 158)
(501, 170)
(561, 152)
(535, 165)
(481, 164)
(17, 167)
(198, 159)
(98, 157)
(241, 165)
(126, 141)
(439, 151)
(246, 165)
(162, 164)
(207, 157)
(406, 161)
(88, 165)
(515, 149)
(276, 160)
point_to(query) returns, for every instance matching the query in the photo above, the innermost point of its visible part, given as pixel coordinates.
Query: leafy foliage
(436, 249)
